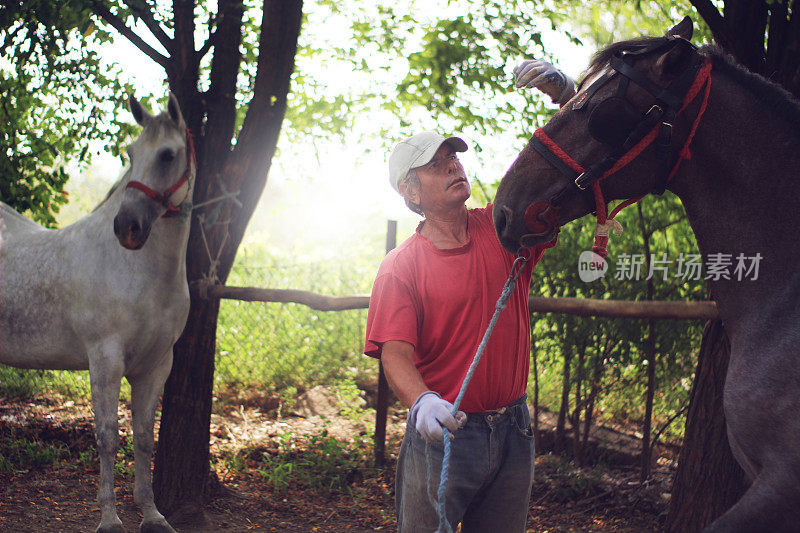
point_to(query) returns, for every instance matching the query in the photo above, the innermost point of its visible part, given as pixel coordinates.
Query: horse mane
(123, 178)
(602, 57)
(768, 93)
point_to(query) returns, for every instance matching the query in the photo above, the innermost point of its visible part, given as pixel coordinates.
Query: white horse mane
(122, 177)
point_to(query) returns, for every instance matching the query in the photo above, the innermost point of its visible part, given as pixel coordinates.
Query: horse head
(161, 173)
(612, 140)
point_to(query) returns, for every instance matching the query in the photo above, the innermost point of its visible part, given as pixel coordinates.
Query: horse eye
(166, 156)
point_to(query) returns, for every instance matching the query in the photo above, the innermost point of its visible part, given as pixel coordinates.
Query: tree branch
(206, 46)
(271, 85)
(118, 24)
(667, 424)
(184, 24)
(220, 99)
(155, 28)
(212, 36)
(667, 225)
(715, 21)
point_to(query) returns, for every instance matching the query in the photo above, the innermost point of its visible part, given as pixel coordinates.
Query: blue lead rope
(508, 290)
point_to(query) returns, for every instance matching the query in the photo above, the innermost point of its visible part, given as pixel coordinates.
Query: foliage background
(381, 71)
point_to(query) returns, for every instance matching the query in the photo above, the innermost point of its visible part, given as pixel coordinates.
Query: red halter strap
(163, 198)
(703, 79)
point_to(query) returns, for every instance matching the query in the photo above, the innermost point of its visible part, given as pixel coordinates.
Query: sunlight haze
(323, 196)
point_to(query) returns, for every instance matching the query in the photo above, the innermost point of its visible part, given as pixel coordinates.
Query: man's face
(443, 182)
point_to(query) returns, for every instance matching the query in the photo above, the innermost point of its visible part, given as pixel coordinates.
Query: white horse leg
(105, 373)
(145, 391)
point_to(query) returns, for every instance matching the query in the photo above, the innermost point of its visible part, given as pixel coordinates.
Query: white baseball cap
(417, 151)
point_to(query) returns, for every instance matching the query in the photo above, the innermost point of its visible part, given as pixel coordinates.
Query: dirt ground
(61, 496)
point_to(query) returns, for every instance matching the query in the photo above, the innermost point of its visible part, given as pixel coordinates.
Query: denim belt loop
(496, 414)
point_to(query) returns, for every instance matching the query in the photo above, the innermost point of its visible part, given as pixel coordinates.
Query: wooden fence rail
(569, 306)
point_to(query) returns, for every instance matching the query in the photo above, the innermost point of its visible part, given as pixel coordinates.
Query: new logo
(591, 266)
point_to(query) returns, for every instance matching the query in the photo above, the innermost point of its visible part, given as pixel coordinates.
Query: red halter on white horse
(165, 198)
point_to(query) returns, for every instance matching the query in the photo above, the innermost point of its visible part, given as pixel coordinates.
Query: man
(431, 303)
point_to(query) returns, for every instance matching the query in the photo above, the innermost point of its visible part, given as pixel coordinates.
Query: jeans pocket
(417, 442)
(521, 420)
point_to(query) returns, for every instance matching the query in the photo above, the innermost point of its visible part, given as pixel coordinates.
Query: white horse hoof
(156, 526)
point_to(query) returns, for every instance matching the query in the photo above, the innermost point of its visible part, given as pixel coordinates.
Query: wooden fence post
(382, 409)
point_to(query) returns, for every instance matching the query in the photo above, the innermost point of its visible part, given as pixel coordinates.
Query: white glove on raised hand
(432, 413)
(539, 74)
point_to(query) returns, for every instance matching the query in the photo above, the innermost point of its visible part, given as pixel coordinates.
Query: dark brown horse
(655, 113)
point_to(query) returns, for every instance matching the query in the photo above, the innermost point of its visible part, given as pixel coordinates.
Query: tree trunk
(650, 353)
(181, 468)
(180, 474)
(576, 418)
(597, 372)
(648, 404)
(560, 443)
(742, 30)
(708, 480)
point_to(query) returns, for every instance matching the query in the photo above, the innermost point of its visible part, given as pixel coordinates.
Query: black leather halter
(667, 101)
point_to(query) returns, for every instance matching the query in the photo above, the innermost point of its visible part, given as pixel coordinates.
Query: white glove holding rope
(539, 74)
(432, 413)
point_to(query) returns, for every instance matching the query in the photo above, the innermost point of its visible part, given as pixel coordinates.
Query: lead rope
(508, 290)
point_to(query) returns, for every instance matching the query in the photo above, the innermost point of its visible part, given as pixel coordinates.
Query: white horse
(73, 298)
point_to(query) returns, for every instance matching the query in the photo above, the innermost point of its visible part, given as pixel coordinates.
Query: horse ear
(140, 114)
(672, 62)
(174, 110)
(683, 29)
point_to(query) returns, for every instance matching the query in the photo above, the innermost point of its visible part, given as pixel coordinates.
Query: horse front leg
(145, 391)
(105, 377)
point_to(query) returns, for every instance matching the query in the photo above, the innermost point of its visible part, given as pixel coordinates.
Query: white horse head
(161, 173)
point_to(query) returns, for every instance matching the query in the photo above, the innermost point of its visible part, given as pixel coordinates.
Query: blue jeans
(490, 477)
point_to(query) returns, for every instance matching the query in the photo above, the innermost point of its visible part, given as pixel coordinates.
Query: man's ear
(410, 191)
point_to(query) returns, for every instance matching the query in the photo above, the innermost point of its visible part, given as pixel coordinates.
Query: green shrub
(568, 482)
(324, 464)
(19, 453)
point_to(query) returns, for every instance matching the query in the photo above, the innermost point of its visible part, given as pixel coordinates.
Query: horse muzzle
(539, 224)
(131, 230)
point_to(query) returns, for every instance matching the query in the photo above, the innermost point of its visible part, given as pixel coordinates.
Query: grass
(323, 464)
(319, 463)
(22, 454)
(566, 481)
(20, 384)
(290, 346)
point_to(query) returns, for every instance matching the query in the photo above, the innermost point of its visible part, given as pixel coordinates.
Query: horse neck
(739, 191)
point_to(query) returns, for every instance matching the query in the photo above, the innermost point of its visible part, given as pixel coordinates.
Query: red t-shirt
(441, 302)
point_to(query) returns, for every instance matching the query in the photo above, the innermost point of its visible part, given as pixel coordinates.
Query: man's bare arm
(402, 375)
(432, 412)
